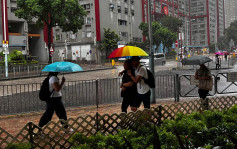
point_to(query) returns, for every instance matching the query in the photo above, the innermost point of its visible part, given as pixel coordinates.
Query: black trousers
(54, 104)
(202, 93)
(127, 101)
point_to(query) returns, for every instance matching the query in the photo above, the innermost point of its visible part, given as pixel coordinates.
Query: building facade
(230, 12)
(21, 35)
(121, 16)
(203, 20)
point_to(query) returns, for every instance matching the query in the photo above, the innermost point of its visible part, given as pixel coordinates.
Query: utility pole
(151, 60)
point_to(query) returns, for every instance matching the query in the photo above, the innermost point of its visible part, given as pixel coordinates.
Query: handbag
(206, 84)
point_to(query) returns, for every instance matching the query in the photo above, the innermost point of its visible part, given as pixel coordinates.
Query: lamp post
(187, 48)
(5, 33)
(151, 60)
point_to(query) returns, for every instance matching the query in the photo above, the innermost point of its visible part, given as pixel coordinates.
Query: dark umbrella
(196, 60)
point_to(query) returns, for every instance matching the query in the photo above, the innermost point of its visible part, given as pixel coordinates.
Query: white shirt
(52, 80)
(142, 87)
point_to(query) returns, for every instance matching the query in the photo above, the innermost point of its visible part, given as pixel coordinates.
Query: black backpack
(44, 93)
(151, 80)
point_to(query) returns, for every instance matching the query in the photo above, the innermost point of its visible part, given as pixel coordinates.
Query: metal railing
(35, 69)
(24, 97)
(220, 86)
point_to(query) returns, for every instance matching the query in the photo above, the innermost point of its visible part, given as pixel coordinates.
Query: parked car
(159, 59)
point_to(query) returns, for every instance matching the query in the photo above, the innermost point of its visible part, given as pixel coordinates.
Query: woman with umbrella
(203, 75)
(55, 101)
(217, 62)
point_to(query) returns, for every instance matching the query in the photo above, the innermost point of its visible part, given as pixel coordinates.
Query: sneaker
(39, 135)
(69, 130)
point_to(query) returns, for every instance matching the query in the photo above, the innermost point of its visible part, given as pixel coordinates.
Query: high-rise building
(203, 20)
(230, 12)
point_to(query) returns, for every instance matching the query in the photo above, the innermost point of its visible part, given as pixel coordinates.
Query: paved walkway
(14, 123)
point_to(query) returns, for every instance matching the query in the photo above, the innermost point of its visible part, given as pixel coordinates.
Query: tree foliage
(223, 43)
(66, 14)
(231, 32)
(172, 23)
(110, 41)
(212, 48)
(160, 34)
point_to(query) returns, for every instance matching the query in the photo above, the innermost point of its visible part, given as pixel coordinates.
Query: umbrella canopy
(196, 60)
(226, 52)
(219, 53)
(62, 67)
(127, 51)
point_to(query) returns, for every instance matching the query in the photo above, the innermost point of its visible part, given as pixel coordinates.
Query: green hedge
(207, 129)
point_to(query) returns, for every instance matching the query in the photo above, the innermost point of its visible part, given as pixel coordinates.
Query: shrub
(19, 146)
(207, 129)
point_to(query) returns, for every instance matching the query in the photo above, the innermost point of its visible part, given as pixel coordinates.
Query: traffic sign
(5, 45)
(51, 49)
(176, 43)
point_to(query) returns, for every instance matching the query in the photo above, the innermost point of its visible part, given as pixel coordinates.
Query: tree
(212, 48)
(66, 14)
(231, 32)
(160, 34)
(110, 41)
(142, 45)
(172, 23)
(223, 43)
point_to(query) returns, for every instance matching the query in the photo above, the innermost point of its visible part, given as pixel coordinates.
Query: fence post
(31, 132)
(177, 90)
(159, 113)
(97, 104)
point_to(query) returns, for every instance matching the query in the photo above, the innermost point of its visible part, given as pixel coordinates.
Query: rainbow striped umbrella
(127, 51)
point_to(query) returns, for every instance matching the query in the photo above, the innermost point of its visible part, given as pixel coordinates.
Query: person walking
(128, 87)
(143, 90)
(55, 101)
(203, 75)
(217, 62)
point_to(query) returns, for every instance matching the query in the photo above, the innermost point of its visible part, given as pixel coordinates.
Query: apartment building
(203, 20)
(22, 36)
(230, 11)
(122, 16)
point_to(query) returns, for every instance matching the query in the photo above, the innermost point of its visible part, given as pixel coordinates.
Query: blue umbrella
(62, 67)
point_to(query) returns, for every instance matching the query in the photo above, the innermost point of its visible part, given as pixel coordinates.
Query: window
(88, 34)
(111, 7)
(123, 34)
(126, 10)
(58, 37)
(132, 12)
(119, 9)
(83, 35)
(86, 6)
(88, 20)
(72, 36)
(122, 22)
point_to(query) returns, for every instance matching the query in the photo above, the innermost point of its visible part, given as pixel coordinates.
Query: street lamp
(151, 60)
(187, 48)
